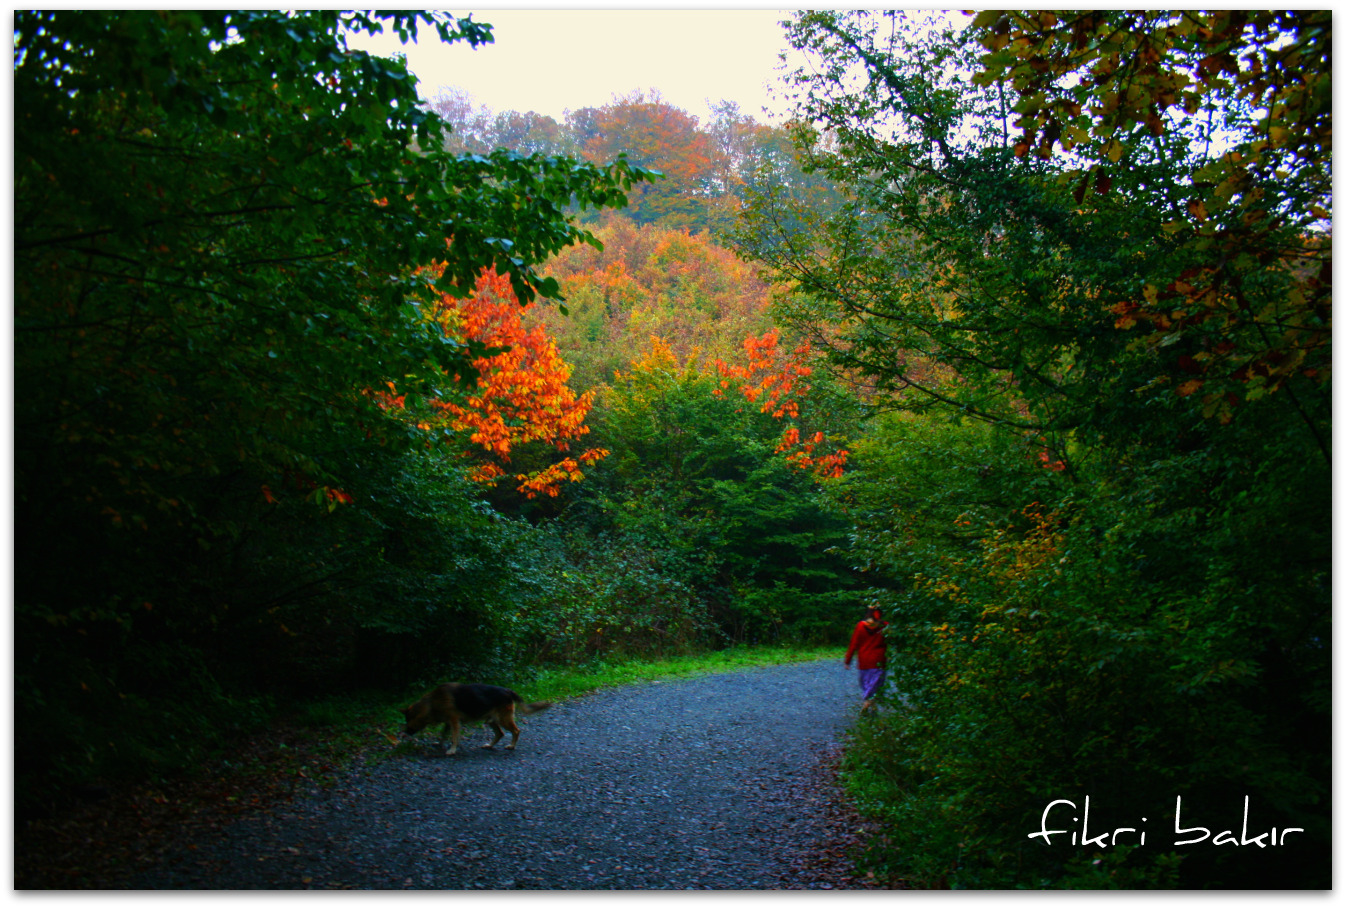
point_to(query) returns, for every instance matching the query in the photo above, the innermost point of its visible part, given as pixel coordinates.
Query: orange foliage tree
(521, 396)
(777, 378)
(653, 133)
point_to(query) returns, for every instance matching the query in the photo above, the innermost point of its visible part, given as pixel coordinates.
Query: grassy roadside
(560, 684)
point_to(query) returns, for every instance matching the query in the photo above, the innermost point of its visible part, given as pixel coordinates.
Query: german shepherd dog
(454, 704)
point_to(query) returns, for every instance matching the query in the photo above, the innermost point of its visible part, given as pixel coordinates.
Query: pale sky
(553, 60)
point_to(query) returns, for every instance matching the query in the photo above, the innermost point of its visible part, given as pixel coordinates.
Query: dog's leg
(495, 727)
(507, 720)
(457, 729)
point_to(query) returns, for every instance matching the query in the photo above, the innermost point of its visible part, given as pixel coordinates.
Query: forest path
(716, 782)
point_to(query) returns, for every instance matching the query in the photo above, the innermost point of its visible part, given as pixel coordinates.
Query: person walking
(870, 651)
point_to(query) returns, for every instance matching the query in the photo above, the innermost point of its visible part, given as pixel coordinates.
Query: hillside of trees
(1020, 331)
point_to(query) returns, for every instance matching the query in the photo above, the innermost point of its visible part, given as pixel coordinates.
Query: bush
(612, 600)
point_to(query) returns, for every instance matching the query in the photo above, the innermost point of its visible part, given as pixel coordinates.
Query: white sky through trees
(554, 60)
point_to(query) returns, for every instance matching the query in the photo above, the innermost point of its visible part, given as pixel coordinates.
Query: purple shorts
(871, 679)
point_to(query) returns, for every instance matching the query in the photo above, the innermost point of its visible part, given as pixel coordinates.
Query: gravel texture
(716, 782)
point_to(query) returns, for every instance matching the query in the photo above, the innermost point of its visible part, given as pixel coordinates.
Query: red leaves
(776, 379)
(522, 394)
(1048, 463)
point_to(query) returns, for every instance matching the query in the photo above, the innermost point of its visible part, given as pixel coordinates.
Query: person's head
(873, 613)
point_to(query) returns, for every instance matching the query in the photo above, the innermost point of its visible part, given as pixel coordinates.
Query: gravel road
(703, 783)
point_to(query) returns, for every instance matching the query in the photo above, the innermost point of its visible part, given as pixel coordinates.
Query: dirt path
(718, 782)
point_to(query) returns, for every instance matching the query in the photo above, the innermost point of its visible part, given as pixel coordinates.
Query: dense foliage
(294, 414)
(705, 169)
(695, 295)
(700, 478)
(1099, 509)
(229, 232)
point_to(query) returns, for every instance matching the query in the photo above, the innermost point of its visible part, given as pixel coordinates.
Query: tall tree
(1245, 97)
(220, 223)
(1134, 543)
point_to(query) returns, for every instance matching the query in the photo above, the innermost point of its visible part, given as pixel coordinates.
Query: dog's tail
(527, 709)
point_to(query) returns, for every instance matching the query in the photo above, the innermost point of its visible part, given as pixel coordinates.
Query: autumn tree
(711, 167)
(521, 394)
(777, 381)
(648, 281)
(652, 133)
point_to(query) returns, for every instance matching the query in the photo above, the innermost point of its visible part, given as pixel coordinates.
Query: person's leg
(871, 680)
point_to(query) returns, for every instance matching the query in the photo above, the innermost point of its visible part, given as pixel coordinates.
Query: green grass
(563, 683)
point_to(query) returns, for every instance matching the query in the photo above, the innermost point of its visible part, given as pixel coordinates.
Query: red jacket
(868, 646)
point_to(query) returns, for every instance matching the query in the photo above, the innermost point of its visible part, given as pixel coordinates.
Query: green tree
(697, 475)
(959, 249)
(1113, 563)
(225, 224)
(1129, 638)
